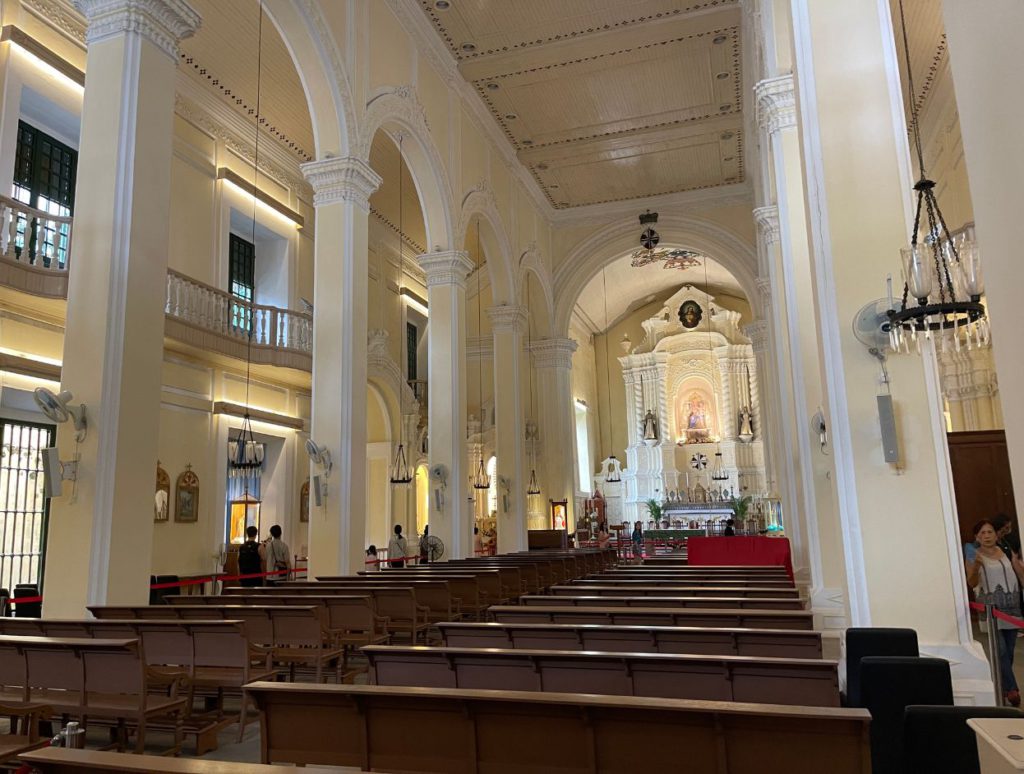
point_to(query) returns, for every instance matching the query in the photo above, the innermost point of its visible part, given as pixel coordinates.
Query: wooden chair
(23, 735)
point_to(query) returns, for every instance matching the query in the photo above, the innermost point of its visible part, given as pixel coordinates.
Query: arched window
(582, 446)
(492, 493)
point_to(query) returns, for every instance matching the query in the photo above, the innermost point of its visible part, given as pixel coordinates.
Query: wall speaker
(316, 489)
(52, 473)
(887, 422)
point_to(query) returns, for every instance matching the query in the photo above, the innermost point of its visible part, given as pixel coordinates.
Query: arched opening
(422, 483)
(378, 457)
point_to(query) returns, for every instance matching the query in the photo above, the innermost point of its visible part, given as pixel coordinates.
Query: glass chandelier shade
(718, 471)
(481, 480)
(532, 488)
(247, 454)
(400, 471)
(613, 476)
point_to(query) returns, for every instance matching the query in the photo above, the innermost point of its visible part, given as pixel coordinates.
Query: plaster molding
(553, 353)
(446, 268)
(776, 103)
(62, 17)
(767, 221)
(757, 332)
(507, 318)
(162, 22)
(382, 368)
(341, 180)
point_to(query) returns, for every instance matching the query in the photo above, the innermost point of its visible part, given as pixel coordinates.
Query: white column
(557, 427)
(985, 56)
(337, 529)
(446, 373)
(99, 543)
(507, 323)
(859, 180)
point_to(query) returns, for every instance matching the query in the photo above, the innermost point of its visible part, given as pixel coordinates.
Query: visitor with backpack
(250, 558)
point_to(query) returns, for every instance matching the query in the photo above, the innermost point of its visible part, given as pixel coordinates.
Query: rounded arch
(398, 110)
(543, 311)
(608, 244)
(322, 74)
(481, 204)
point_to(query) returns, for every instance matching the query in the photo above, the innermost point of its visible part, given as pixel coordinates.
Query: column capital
(767, 220)
(507, 318)
(162, 22)
(757, 332)
(341, 179)
(776, 103)
(764, 287)
(449, 267)
(553, 353)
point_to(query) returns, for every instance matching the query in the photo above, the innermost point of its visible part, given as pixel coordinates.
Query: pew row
(689, 582)
(455, 731)
(443, 594)
(773, 643)
(723, 603)
(655, 616)
(805, 682)
(59, 760)
(594, 588)
(102, 679)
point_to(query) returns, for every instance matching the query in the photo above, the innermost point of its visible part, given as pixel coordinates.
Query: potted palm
(654, 510)
(740, 506)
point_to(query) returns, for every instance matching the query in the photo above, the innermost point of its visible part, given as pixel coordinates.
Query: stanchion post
(993, 651)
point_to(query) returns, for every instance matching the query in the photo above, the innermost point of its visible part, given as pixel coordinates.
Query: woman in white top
(997, 582)
(397, 549)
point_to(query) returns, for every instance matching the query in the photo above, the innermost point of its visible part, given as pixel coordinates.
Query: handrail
(34, 223)
(34, 212)
(218, 311)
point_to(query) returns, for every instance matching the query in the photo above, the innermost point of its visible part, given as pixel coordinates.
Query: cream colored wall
(585, 388)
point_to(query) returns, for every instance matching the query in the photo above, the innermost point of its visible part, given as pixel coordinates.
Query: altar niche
(695, 372)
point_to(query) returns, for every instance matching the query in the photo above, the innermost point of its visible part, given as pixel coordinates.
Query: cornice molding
(447, 268)
(767, 221)
(757, 332)
(162, 22)
(776, 103)
(507, 318)
(553, 353)
(61, 16)
(341, 180)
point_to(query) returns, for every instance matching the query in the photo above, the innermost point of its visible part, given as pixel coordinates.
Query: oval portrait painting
(690, 314)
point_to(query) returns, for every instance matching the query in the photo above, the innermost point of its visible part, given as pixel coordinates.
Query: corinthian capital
(553, 353)
(767, 220)
(449, 267)
(507, 318)
(345, 179)
(776, 103)
(161, 22)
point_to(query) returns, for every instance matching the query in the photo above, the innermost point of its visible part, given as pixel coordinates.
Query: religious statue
(650, 427)
(697, 419)
(746, 427)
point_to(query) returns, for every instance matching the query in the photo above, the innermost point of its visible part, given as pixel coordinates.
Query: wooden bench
(743, 603)
(807, 682)
(59, 760)
(686, 572)
(594, 588)
(23, 732)
(612, 580)
(655, 616)
(94, 678)
(772, 643)
(462, 592)
(435, 595)
(216, 657)
(461, 731)
(490, 586)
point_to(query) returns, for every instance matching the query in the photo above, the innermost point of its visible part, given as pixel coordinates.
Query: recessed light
(492, 85)
(542, 166)
(722, 76)
(719, 39)
(469, 48)
(511, 116)
(725, 136)
(442, 5)
(725, 107)
(728, 158)
(563, 204)
(553, 186)
(527, 142)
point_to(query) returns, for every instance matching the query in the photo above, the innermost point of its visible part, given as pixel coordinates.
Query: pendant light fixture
(718, 471)
(613, 476)
(944, 273)
(481, 480)
(532, 489)
(400, 472)
(247, 454)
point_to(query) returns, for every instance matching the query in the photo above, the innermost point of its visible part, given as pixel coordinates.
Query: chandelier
(400, 472)
(481, 480)
(649, 252)
(941, 272)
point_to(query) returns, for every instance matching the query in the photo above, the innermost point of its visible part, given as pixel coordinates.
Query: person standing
(997, 581)
(638, 540)
(1006, 538)
(425, 544)
(397, 549)
(277, 556)
(478, 542)
(250, 559)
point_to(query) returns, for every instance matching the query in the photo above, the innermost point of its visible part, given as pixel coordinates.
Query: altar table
(757, 551)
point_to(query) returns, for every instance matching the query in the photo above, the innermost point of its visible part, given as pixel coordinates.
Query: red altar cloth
(750, 551)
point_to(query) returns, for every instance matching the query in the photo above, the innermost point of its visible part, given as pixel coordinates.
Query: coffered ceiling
(607, 100)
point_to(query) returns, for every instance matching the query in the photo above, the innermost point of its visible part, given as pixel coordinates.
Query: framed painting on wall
(186, 501)
(162, 499)
(304, 501)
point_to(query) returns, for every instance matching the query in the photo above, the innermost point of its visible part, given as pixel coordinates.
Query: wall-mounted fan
(871, 326)
(439, 477)
(58, 409)
(319, 455)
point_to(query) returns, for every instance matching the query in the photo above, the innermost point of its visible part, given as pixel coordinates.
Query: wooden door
(981, 478)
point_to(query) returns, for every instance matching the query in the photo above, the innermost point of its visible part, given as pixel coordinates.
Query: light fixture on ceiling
(481, 480)
(719, 39)
(400, 471)
(718, 471)
(726, 136)
(724, 107)
(542, 167)
(492, 86)
(649, 252)
(943, 273)
(527, 142)
(442, 5)
(511, 116)
(722, 76)
(469, 48)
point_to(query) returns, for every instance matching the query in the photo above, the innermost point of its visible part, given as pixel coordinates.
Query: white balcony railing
(216, 311)
(34, 249)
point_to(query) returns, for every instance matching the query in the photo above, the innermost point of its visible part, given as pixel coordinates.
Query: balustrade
(34, 237)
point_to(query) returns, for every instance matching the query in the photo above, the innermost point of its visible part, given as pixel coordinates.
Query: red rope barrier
(1018, 622)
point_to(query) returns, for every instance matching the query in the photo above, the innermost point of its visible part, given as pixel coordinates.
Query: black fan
(435, 548)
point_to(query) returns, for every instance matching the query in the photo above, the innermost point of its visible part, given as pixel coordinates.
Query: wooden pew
(806, 682)
(84, 677)
(59, 760)
(461, 731)
(462, 593)
(23, 730)
(488, 586)
(771, 643)
(655, 616)
(594, 588)
(686, 578)
(611, 580)
(214, 656)
(744, 603)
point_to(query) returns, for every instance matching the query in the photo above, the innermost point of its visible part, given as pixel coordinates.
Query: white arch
(397, 108)
(480, 202)
(530, 262)
(608, 244)
(324, 80)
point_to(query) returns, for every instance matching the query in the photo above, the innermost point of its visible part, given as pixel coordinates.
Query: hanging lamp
(614, 476)
(532, 488)
(944, 273)
(718, 471)
(400, 472)
(481, 480)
